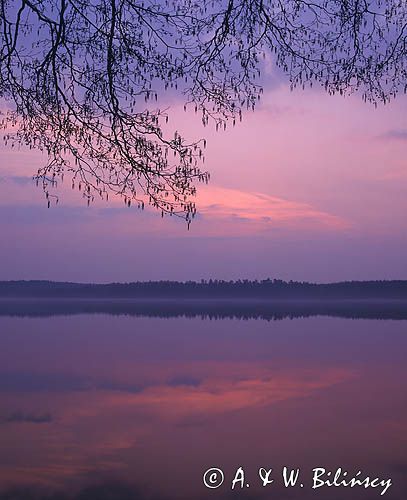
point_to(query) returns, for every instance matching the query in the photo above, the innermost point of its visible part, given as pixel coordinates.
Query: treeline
(210, 289)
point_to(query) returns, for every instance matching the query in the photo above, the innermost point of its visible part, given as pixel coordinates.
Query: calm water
(100, 406)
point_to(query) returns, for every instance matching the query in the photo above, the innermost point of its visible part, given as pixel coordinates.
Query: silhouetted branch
(81, 78)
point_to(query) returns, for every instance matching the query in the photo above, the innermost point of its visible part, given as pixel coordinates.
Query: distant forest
(211, 289)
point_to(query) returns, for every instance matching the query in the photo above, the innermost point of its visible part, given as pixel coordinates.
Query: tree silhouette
(82, 78)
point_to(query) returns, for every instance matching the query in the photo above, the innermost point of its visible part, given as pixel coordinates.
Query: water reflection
(103, 406)
(208, 309)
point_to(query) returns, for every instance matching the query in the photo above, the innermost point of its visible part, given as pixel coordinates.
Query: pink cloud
(302, 161)
(221, 203)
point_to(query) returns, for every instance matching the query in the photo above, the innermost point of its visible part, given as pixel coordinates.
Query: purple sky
(308, 187)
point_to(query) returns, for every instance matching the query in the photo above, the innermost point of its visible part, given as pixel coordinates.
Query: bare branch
(82, 77)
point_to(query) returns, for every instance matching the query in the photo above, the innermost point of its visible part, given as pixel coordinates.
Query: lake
(111, 405)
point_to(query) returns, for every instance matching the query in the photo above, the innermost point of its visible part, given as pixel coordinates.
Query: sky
(308, 187)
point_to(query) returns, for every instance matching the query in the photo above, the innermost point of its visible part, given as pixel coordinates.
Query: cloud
(221, 211)
(19, 180)
(32, 214)
(398, 172)
(398, 134)
(21, 417)
(219, 202)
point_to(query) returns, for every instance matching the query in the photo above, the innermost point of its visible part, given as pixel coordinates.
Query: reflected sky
(148, 404)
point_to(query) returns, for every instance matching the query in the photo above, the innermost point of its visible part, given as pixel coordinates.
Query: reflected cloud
(96, 429)
(215, 396)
